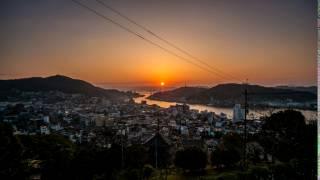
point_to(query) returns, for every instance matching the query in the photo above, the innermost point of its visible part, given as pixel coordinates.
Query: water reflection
(310, 115)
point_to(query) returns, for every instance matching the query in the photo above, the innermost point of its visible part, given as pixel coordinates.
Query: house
(159, 150)
(44, 130)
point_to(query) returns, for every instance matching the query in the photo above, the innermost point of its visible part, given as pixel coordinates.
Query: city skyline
(267, 42)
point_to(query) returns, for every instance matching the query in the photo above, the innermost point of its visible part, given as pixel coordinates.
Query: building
(100, 120)
(56, 127)
(238, 113)
(159, 150)
(44, 130)
(46, 119)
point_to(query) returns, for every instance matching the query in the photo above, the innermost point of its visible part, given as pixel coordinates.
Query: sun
(162, 83)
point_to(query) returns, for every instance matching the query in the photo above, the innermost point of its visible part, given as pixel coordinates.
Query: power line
(145, 39)
(166, 41)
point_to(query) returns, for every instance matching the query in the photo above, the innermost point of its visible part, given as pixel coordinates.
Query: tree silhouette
(224, 157)
(11, 153)
(192, 159)
(227, 153)
(286, 136)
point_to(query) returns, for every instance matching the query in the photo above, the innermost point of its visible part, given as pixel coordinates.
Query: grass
(209, 174)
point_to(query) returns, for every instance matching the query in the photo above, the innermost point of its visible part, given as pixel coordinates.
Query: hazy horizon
(137, 85)
(267, 42)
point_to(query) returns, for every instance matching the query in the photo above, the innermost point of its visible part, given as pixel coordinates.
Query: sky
(268, 42)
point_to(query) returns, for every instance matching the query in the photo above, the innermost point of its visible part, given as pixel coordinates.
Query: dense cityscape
(80, 118)
(96, 122)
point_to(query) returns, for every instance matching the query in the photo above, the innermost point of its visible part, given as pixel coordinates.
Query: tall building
(46, 119)
(238, 113)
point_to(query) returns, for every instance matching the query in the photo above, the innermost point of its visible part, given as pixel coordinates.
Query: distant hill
(58, 83)
(229, 94)
(312, 89)
(178, 95)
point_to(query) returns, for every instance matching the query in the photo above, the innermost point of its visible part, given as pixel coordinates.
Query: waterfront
(309, 114)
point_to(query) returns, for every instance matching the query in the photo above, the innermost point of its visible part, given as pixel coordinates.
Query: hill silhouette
(178, 95)
(229, 94)
(58, 83)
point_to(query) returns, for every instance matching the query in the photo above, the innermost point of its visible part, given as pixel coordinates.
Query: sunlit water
(310, 115)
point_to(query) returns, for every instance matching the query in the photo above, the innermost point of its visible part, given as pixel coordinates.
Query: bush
(192, 159)
(147, 171)
(223, 157)
(261, 173)
(227, 176)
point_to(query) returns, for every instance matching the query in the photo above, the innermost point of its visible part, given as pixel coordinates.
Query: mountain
(229, 94)
(58, 83)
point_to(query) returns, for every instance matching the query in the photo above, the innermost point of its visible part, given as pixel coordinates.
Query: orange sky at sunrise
(268, 42)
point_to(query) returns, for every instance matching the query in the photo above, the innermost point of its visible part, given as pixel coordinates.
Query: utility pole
(156, 143)
(245, 126)
(122, 153)
(180, 128)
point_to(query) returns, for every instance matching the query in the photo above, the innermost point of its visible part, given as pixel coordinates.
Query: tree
(147, 171)
(282, 171)
(261, 173)
(286, 136)
(310, 152)
(224, 157)
(232, 141)
(228, 152)
(84, 163)
(192, 159)
(12, 164)
(109, 161)
(136, 156)
(283, 134)
(164, 157)
(288, 123)
(56, 153)
(254, 152)
(132, 174)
